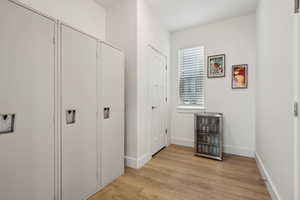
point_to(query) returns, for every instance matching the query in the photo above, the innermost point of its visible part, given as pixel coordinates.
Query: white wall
(122, 31)
(274, 94)
(131, 26)
(150, 32)
(237, 39)
(85, 15)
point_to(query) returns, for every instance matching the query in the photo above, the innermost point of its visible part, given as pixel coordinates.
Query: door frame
(152, 49)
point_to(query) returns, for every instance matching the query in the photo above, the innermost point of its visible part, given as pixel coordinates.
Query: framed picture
(240, 76)
(216, 66)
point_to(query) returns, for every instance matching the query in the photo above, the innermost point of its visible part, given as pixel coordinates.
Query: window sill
(190, 109)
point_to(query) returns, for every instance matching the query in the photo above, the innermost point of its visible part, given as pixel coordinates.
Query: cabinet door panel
(79, 139)
(27, 63)
(112, 84)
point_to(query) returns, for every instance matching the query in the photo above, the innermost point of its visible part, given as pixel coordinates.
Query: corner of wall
(267, 178)
(137, 163)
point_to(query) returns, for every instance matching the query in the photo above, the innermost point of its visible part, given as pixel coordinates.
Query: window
(191, 76)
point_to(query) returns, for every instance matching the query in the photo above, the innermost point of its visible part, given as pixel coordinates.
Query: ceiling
(181, 14)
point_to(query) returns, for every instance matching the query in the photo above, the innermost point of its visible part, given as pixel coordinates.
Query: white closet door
(27, 66)
(157, 99)
(79, 139)
(112, 85)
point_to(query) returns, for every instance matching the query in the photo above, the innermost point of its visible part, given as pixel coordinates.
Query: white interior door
(158, 100)
(27, 66)
(79, 137)
(112, 115)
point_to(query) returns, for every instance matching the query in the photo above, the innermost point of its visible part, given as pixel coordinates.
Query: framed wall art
(216, 66)
(240, 76)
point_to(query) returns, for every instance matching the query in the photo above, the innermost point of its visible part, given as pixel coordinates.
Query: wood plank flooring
(176, 174)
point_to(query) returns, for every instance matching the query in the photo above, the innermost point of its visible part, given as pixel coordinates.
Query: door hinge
(54, 41)
(166, 99)
(296, 113)
(297, 5)
(166, 67)
(166, 131)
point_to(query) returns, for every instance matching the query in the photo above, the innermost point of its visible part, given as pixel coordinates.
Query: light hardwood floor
(176, 174)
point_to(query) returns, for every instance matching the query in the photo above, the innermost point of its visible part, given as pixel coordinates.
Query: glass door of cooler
(208, 135)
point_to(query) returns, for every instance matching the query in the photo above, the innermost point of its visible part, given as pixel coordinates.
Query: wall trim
(227, 148)
(239, 151)
(143, 160)
(182, 142)
(266, 175)
(137, 163)
(131, 162)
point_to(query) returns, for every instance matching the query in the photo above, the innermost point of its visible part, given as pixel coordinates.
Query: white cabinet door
(297, 86)
(79, 139)
(27, 63)
(112, 86)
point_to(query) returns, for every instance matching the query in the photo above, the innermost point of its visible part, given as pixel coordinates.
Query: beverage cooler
(209, 135)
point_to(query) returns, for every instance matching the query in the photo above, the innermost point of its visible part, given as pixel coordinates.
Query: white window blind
(192, 76)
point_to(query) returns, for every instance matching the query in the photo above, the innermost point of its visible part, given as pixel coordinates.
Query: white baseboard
(137, 163)
(182, 142)
(239, 151)
(227, 149)
(131, 162)
(143, 160)
(265, 174)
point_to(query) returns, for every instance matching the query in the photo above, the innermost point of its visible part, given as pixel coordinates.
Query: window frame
(192, 108)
